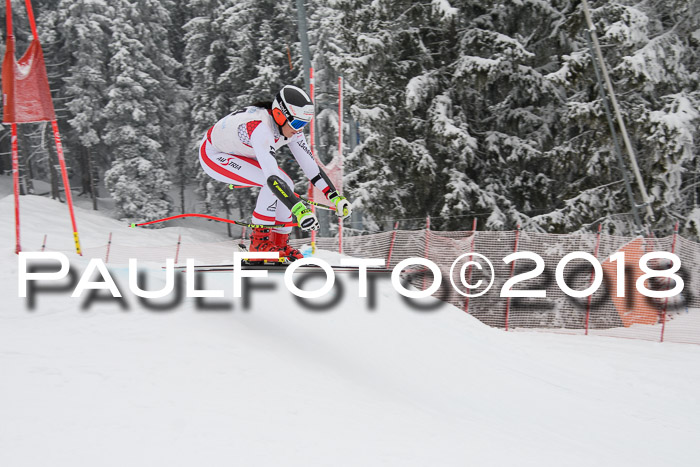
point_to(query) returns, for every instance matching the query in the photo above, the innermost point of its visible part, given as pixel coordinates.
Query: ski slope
(276, 382)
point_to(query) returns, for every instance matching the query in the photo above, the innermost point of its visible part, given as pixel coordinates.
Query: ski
(275, 266)
(280, 268)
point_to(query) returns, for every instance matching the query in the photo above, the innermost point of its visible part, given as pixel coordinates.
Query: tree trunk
(92, 176)
(53, 162)
(25, 171)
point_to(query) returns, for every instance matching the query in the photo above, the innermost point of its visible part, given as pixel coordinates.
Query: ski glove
(342, 205)
(305, 218)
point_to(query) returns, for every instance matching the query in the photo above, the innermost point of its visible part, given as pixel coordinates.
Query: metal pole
(613, 132)
(304, 39)
(618, 114)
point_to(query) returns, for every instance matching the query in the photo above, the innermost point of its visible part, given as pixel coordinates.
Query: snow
(279, 382)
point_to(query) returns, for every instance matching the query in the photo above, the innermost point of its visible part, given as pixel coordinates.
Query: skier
(240, 149)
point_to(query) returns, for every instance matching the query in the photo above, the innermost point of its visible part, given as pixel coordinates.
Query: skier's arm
(261, 139)
(302, 154)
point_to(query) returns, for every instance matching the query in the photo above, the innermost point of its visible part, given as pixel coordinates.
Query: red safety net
(25, 86)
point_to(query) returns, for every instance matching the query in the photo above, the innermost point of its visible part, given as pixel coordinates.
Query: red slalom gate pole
(313, 152)
(512, 270)
(30, 15)
(66, 184)
(590, 297)
(15, 182)
(340, 236)
(340, 153)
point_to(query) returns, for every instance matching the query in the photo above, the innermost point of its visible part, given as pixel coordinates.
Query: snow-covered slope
(276, 382)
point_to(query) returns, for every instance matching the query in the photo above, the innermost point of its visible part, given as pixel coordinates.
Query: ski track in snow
(278, 384)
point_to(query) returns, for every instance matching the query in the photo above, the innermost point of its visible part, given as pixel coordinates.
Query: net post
(469, 270)
(512, 271)
(663, 313)
(426, 254)
(177, 249)
(109, 247)
(391, 244)
(590, 297)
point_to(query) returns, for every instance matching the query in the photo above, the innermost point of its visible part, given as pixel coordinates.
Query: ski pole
(306, 200)
(220, 219)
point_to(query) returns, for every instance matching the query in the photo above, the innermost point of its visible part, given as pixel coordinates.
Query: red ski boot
(285, 248)
(260, 241)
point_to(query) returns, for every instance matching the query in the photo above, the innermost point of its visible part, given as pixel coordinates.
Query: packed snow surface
(341, 381)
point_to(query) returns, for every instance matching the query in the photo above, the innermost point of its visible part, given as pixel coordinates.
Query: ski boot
(287, 250)
(260, 241)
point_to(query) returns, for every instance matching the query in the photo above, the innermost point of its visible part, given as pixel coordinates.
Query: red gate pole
(313, 152)
(15, 182)
(391, 244)
(340, 236)
(340, 153)
(469, 271)
(663, 314)
(590, 297)
(66, 184)
(512, 271)
(30, 15)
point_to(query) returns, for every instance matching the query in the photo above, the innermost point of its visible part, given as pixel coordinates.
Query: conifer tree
(139, 178)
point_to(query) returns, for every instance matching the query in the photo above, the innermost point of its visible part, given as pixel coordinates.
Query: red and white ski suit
(240, 149)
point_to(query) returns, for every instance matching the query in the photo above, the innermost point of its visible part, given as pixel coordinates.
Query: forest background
(457, 110)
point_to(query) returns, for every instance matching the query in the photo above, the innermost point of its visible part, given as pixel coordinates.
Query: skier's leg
(242, 171)
(280, 235)
(282, 212)
(227, 168)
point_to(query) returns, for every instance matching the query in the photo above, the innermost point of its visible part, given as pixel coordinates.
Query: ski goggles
(297, 124)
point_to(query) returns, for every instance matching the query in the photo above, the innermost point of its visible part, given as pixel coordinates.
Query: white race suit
(240, 150)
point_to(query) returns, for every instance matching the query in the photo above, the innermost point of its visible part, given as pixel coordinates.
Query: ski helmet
(294, 106)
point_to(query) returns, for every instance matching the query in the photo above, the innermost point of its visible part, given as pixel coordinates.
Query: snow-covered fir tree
(80, 32)
(140, 72)
(646, 46)
(465, 108)
(239, 52)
